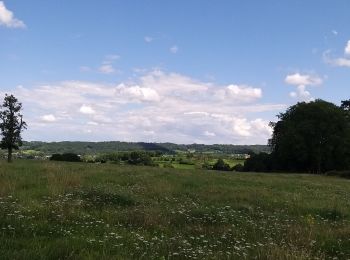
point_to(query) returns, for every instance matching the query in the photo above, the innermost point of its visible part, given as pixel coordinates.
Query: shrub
(140, 158)
(67, 157)
(238, 168)
(207, 166)
(186, 161)
(220, 165)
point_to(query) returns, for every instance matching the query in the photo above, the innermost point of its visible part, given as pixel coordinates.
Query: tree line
(309, 137)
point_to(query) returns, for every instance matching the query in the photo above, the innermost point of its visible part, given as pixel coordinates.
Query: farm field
(58, 210)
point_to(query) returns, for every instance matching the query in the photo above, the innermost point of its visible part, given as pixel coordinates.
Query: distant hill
(116, 146)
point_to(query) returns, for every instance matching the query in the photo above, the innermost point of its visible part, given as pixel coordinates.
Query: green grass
(62, 210)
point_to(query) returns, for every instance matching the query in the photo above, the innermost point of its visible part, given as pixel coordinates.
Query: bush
(207, 166)
(67, 157)
(168, 165)
(220, 165)
(186, 161)
(140, 158)
(238, 168)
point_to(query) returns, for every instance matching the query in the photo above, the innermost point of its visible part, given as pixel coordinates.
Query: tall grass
(62, 210)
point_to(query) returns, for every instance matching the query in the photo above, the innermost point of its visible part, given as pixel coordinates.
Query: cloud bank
(157, 107)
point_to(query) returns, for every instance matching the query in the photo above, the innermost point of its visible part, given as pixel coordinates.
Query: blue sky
(178, 71)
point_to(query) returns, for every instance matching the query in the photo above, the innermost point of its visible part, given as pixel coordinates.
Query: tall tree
(11, 125)
(312, 137)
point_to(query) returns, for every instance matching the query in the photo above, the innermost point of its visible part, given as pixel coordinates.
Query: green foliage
(206, 165)
(59, 210)
(159, 148)
(140, 158)
(312, 137)
(220, 165)
(309, 137)
(186, 161)
(261, 162)
(134, 158)
(66, 157)
(238, 167)
(11, 124)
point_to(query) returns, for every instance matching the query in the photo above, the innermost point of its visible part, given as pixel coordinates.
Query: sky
(185, 71)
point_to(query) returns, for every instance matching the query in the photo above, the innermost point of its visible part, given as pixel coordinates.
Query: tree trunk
(9, 155)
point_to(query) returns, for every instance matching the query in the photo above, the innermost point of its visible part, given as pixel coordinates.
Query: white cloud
(210, 134)
(347, 48)
(301, 81)
(136, 93)
(48, 118)
(243, 93)
(338, 62)
(148, 39)
(8, 19)
(84, 109)
(106, 69)
(158, 106)
(174, 49)
(301, 93)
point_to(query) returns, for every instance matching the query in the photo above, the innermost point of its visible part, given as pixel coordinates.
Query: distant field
(197, 164)
(57, 210)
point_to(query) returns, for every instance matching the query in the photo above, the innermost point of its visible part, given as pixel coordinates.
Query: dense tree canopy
(312, 137)
(309, 137)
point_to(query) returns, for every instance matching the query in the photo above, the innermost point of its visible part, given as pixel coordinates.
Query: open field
(62, 210)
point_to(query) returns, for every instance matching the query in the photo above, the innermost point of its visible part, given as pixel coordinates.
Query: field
(62, 210)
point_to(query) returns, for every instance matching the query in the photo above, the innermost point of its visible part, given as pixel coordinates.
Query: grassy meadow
(57, 210)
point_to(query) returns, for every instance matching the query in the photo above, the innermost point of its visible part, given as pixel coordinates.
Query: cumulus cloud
(301, 81)
(243, 93)
(88, 110)
(8, 19)
(157, 106)
(137, 93)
